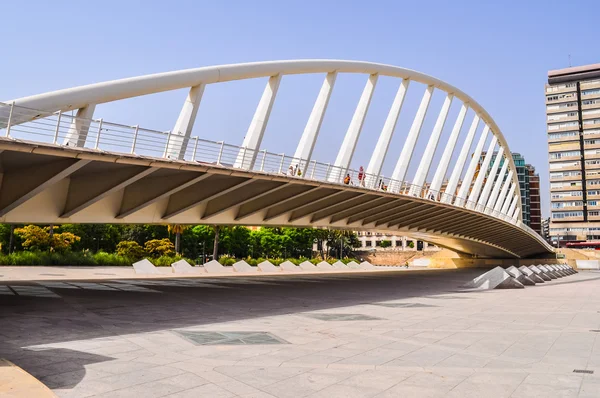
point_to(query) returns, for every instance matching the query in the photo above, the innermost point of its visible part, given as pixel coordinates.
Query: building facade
(529, 185)
(573, 126)
(374, 240)
(535, 206)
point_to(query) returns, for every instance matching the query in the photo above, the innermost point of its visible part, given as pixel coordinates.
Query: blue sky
(497, 52)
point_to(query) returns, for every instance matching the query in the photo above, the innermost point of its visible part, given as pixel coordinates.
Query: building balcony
(568, 219)
(566, 188)
(574, 139)
(588, 106)
(555, 90)
(588, 86)
(570, 208)
(563, 129)
(589, 96)
(565, 178)
(567, 199)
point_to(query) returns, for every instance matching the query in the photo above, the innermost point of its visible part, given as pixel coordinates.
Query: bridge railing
(66, 129)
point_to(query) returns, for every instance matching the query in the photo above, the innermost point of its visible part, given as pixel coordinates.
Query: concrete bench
(289, 266)
(340, 265)
(267, 266)
(183, 267)
(244, 267)
(353, 265)
(145, 267)
(325, 266)
(308, 266)
(366, 265)
(215, 267)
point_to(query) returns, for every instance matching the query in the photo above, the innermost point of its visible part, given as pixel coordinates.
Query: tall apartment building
(529, 185)
(573, 121)
(535, 206)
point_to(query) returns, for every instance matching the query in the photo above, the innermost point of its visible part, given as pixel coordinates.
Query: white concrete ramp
(183, 267)
(420, 262)
(243, 267)
(518, 275)
(496, 278)
(366, 265)
(532, 275)
(308, 266)
(353, 265)
(145, 267)
(540, 273)
(340, 265)
(215, 267)
(289, 266)
(267, 266)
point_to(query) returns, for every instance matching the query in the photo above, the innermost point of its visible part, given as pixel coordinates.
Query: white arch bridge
(61, 168)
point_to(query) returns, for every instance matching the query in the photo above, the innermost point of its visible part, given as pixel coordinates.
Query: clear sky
(498, 52)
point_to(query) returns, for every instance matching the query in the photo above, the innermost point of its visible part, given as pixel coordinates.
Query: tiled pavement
(404, 334)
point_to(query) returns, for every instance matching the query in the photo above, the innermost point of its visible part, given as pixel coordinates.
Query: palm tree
(177, 229)
(216, 246)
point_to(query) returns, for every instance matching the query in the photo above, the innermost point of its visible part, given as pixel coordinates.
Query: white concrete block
(242, 266)
(353, 265)
(588, 264)
(556, 269)
(547, 271)
(420, 262)
(340, 265)
(324, 266)
(366, 265)
(183, 267)
(530, 274)
(539, 273)
(308, 266)
(215, 267)
(518, 275)
(145, 267)
(496, 278)
(267, 266)
(289, 266)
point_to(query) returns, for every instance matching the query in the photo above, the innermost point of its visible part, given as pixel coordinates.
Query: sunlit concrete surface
(389, 334)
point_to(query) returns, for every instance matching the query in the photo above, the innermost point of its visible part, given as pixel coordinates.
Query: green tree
(385, 243)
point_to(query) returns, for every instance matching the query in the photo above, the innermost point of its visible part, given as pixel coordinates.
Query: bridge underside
(51, 184)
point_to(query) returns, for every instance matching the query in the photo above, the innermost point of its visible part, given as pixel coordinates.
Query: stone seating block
(308, 266)
(145, 267)
(267, 266)
(289, 266)
(496, 278)
(244, 267)
(183, 267)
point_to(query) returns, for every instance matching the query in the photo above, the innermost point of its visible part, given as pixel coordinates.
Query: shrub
(227, 261)
(160, 247)
(103, 258)
(166, 261)
(385, 243)
(130, 249)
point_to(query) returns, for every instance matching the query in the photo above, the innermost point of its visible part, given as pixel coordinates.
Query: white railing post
(242, 165)
(262, 162)
(166, 146)
(98, 136)
(220, 152)
(312, 173)
(12, 105)
(57, 126)
(195, 150)
(135, 134)
(281, 163)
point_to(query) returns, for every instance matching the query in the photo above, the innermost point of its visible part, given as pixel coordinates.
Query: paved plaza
(387, 334)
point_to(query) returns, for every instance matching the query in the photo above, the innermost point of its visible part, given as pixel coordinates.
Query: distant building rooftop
(574, 73)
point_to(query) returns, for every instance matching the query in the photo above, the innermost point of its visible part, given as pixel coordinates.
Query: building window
(368, 243)
(567, 214)
(377, 243)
